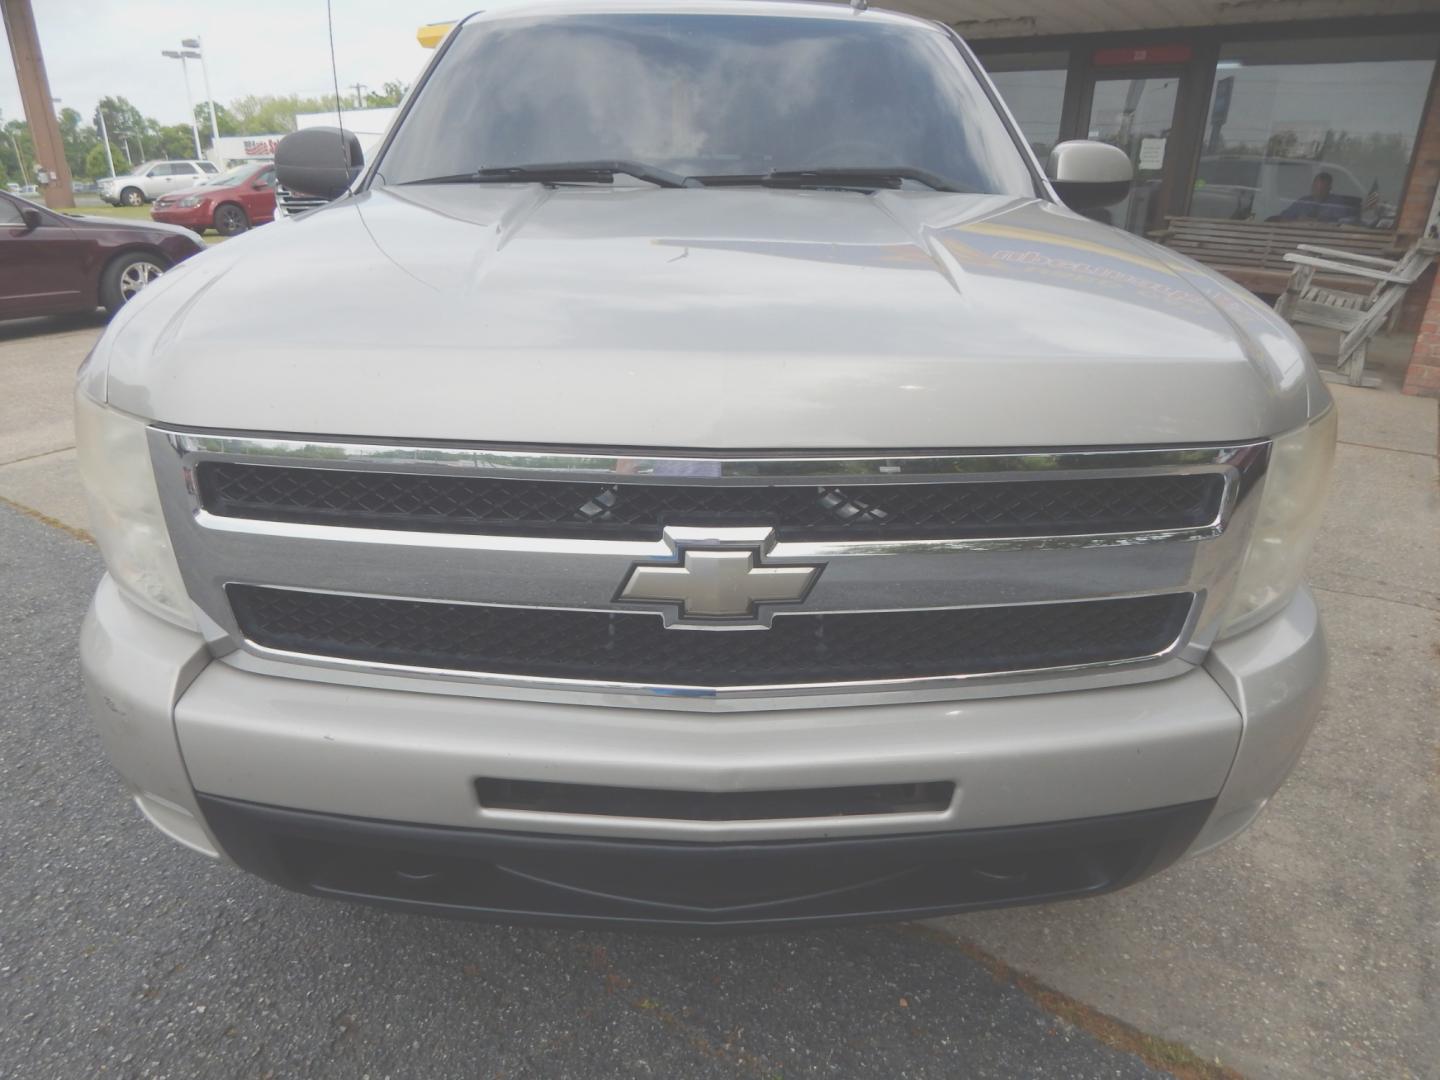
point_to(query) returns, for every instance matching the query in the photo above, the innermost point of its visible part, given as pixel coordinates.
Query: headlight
(191, 200)
(125, 510)
(1285, 526)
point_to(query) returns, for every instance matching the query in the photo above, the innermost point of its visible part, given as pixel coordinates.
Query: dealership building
(1229, 108)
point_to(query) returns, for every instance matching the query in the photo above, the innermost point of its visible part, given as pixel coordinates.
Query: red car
(52, 263)
(229, 203)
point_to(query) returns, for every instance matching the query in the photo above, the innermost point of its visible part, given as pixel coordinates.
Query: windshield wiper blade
(865, 177)
(563, 172)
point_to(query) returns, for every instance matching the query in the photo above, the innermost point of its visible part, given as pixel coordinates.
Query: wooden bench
(1252, 253)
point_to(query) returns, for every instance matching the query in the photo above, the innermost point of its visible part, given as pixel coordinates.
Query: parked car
(229, 203)
(148, 181)
(52, 263)
(779, 507)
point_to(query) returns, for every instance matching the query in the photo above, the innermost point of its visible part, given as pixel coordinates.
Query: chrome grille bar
(583, 574)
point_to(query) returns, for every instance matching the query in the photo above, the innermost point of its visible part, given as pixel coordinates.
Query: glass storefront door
(1136, 112)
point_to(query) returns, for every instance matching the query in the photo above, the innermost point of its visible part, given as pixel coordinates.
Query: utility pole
(54, 172)
(105, 138)
(194, 43)
(359, 100)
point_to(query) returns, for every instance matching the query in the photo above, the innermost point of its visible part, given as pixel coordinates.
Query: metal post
(105, 138)
(190, 105)
(35, 96)
(189, 100)
(194, 43)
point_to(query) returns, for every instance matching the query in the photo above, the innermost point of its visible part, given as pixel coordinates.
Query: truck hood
(721, 318)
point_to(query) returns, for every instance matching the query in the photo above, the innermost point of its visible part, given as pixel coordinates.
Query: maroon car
(229, 203)
(52, 263)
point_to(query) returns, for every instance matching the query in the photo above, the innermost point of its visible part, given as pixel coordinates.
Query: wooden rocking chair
(1358, 316)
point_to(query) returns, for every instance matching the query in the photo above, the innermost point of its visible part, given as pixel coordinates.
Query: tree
(78, 140)
(124, 119)
(392, 93)
(272, 114)
(95, 164)
(17, 152)
(224, 119)
(176, 141)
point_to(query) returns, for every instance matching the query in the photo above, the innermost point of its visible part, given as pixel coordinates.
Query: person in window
(1320, 205)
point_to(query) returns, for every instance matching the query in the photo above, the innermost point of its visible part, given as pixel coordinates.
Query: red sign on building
(1147, 54)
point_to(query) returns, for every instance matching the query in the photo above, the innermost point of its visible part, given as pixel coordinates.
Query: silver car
(151, 179)
(701, 472)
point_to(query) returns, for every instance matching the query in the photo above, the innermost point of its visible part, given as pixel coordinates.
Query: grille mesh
(640, 511)
(637, 648)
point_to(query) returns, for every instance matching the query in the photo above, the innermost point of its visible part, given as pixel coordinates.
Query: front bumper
(197, 218)
(369, 792)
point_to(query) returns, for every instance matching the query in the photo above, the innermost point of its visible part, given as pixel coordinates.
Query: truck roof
(805, 9)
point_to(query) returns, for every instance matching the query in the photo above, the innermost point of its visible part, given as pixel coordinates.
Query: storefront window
(1319, 130)
(1033, 85)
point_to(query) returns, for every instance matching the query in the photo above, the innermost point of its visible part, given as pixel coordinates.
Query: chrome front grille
(498, 571)
(632, 647)
(640, 510)
(289, 203)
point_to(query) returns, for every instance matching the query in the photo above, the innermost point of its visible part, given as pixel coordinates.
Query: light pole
(187, 54)
(20, 158)
(194, 43)
(105, 138)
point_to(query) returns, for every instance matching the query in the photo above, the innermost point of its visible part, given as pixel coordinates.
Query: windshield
(706, 95)
(227, 179)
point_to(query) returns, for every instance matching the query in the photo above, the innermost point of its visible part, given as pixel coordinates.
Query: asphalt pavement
(125, 955)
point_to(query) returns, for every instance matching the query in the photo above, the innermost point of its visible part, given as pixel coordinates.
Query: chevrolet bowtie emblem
(717, 576)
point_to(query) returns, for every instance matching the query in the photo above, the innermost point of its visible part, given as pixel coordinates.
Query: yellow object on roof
(431, 34)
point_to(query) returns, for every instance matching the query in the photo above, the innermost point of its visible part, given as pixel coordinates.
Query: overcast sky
(98, 47)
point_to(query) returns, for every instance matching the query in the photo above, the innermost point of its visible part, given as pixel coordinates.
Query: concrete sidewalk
(38, 358)
(1309, 947)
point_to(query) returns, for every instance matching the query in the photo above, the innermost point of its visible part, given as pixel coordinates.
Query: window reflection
(1033, 86)
(1318, 131)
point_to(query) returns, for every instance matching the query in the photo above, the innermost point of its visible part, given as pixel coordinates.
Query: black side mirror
(32, 218)
(321, 161)
(1088, 174)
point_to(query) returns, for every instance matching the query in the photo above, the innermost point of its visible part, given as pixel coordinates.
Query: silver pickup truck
(702, 471)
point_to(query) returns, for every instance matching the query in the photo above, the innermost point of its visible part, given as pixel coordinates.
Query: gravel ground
(124, 955)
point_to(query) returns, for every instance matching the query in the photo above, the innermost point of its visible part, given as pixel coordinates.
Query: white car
(1245, 187)
(150, 180)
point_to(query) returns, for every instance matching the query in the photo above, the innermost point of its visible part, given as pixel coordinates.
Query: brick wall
(1424, 173)
(1423, 374)
(1421, 309)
